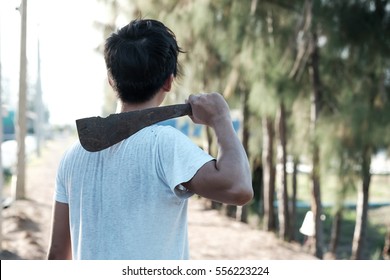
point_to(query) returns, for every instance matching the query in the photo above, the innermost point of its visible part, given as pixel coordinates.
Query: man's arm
(60, 244)
(228, 179)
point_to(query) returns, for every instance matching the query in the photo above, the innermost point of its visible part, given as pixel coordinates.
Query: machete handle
(182, 109)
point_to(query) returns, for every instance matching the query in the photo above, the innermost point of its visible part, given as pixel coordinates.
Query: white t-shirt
(126, 202)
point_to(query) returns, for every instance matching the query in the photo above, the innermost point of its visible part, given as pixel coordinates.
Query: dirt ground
(26, 223)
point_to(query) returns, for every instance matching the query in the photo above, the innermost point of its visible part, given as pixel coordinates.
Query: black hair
(139, 58)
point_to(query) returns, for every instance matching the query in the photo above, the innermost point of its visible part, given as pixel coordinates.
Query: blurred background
(308, 82)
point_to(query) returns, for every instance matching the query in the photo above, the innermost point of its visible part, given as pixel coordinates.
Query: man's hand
(209, 109)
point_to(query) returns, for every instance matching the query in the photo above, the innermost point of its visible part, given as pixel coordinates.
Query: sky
(73, 73)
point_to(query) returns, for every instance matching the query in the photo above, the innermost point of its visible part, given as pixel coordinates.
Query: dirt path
(26, 224)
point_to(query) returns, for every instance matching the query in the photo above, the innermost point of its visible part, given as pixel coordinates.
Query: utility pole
(39, 110)
(19, 192)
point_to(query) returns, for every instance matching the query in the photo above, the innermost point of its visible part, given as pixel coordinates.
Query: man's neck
(154, 102)
(127, 107)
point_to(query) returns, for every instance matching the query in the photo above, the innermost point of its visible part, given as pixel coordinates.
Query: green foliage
(262, 100)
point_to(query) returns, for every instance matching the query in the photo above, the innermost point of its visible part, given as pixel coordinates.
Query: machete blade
(97, 133)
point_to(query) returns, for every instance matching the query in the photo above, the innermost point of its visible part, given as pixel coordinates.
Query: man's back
(115, 210)
(123, 201)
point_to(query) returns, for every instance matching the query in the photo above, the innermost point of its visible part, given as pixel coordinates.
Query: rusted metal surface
(97, 133)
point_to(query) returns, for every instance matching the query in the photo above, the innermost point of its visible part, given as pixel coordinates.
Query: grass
(379, 189)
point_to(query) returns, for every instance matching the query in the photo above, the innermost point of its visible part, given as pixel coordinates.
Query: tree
(269, 222)
(307, 57)
(280, 19)
(316, 205)
(377, 112)
(360, 52)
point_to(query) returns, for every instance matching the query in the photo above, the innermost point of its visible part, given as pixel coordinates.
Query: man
(129, 201)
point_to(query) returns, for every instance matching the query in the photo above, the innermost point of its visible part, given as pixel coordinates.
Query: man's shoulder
(170, 132)
(74, 149)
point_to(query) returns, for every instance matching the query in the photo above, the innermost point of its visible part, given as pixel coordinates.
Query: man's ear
(168, 83)
(110, 80)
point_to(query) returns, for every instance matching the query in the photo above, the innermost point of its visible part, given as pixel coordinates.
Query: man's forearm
(232, 160)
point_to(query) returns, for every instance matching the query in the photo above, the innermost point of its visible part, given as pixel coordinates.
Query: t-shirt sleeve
(60, 193)
(178, 160)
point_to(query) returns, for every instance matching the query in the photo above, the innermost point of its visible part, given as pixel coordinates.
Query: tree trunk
(269, 221)
(386, 248)
(335, 233)
(360, 232)
(257, 182)
(316, 206)
(19, 192)
(231, 211)
(293, 214)
(315, 110)
(283, 210)
(339, 208)
(245, 142)
(268, 155)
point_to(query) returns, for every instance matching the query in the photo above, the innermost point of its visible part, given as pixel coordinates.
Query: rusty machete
(97, 133)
